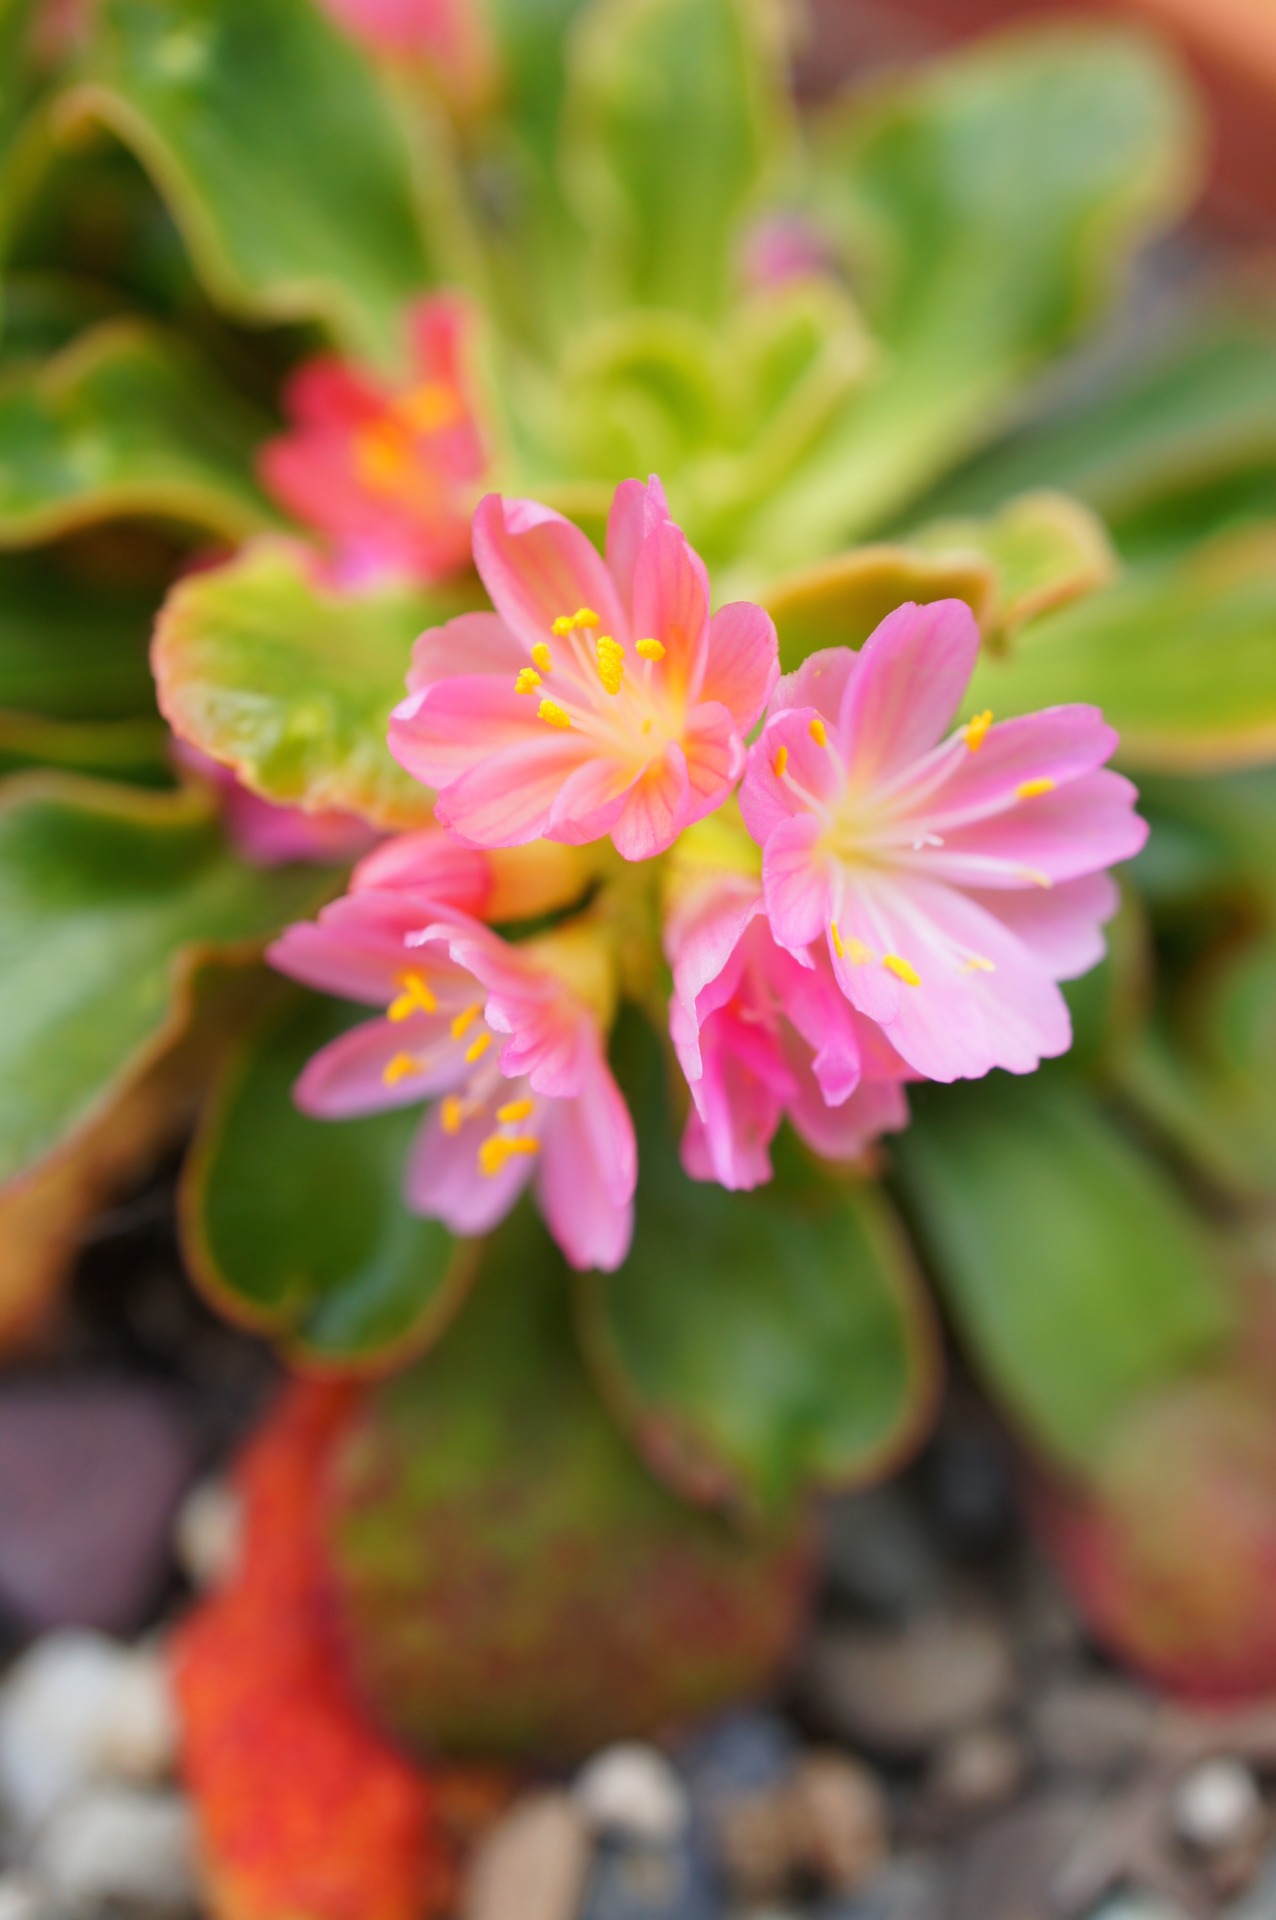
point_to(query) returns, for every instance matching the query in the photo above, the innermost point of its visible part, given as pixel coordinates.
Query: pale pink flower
(450, 36)
(266, 834)
(386, 473)
(761, 1035)
(507, 1051)
(600, 697)
(951, 880)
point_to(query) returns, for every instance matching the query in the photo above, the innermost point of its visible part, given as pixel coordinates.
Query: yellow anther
(528, 680)
(565, 624)
(415, 997)
(818, 734)
(400, 1068)
(498, 1148)
(857, 952)
(477, 1048)
(901, 969)
(1035, 877)
(611, 662)
(552, 714)
(650, 649)
(515, 1110)
(780, 762)
(585, 617)
(1029, 789)
(977, 964)
(975, 729)
(427, 408)
(543, 657)
(452, 1113)
(838, 948)
(383, 453)
(465, 1020)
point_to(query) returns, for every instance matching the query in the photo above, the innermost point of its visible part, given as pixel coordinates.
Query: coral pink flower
(952, 880)
(387, 474)
(599, 698)
(509, 1053)
(269, 835)
(761, 1035)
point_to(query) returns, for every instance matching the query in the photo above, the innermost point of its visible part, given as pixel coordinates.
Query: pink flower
(599, 698)
(449, 35)
(266, 834)
(387, 474)
(508, 1050)
(951, 881)
(760, 1035)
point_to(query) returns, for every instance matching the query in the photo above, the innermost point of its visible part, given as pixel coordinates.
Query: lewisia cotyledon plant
(911, 894)
(601, 697)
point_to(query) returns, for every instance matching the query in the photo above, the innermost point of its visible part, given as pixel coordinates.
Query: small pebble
(22, 1898)
(1089, 1726)
(208, 1534)
(900, 1690)
(977, 1769)
(533, 1863)
(825, 1826)
(75, 1708)
(631, 1791)
(1216, 1805)
(119, 1844)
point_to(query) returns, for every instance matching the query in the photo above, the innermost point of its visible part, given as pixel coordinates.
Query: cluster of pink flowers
(887, 892)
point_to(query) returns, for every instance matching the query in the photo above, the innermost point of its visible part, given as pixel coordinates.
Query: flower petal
(347, 1077)
(657, 808)
(636, 511)
(357, 948)
(743, 662)
(807, 772)
(1060, 744)
(472, 643)
(795, 881)
(428, 862)
(671, 604)
(537, 567)
(913, 670)
(1050, 837)
(588, 1172)
(715, 757)
(820, 682)
(1061, 926)
(445, 1181)
(843, 1132)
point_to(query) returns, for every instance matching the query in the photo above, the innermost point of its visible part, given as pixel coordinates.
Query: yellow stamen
(611, 662)
(382, 453)
(1029, 789)
(818, 734)
(565, 624)
(650, 649)
(552, 714)
(781, 762)
(427, 408)
(543, 657)
(858, 953)
(477, 1048)
(975, 729)
(838, 948)
(400, 1068)
(465, 1020)
(901, 969)
(1036, 876)
(498, 1148)
(414, 998)
(452, 1113)
(585, 617)
(515, 1110)
(528, 680)
(977, 964)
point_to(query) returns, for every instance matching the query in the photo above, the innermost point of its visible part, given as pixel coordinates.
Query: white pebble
(631, 1790)
(76, 1707)
(116, 1843)
(532, 1864)
(1217, 1804)
(208, 1534)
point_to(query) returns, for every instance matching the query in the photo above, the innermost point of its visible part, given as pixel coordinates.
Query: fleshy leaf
(278, 151)
(291, 682)
(1179, 653)
(125, 421)
(488, 1486)
(758, 1343)
(298, 1226)
(989, 205)
(671, 114)
(1076, 1274)
(1039, 552)
(109, 899)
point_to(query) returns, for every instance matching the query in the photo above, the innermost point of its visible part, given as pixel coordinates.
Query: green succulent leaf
(278, 150)
(108, 900)
(758, 1343)
(292, 683)
(1076, 1274)
(125, 421)
(133, 750)
(73, 634)
(298, 1226)
(672, 115)
(1179, 653)
(988, 205)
